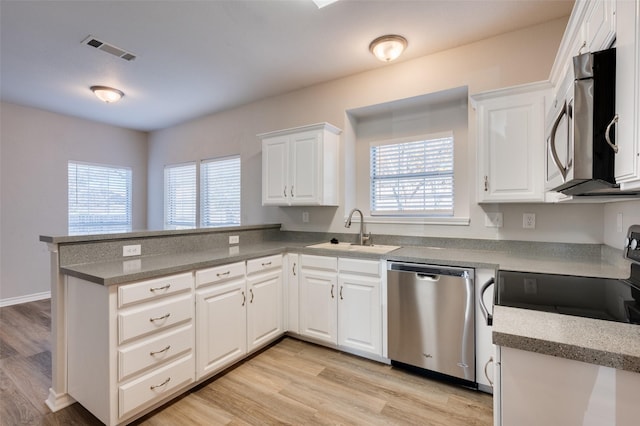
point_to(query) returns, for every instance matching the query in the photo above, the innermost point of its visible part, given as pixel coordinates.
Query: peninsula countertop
(598, 342)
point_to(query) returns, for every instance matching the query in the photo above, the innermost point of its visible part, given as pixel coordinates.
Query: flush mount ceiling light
(107, 94)
(388, 47)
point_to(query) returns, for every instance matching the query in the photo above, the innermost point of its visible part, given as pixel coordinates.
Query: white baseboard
(24, 299)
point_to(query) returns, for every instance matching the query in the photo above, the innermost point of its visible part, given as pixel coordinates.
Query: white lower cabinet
(264, 304)
(538, 389)
(340, 302)
(292, 293)
(239, 309)
(359, 305)
(221, 317)
(130, 346)
(318, 302)
(485, 360)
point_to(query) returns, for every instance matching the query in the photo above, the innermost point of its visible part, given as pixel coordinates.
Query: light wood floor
(292, 382)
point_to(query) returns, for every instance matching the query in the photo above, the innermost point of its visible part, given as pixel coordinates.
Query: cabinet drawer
(264, 263)
(154, 317)
(319, 262)
(154, 351)
(359, 266)
(219, 273)
(155, 385)
(152, 289)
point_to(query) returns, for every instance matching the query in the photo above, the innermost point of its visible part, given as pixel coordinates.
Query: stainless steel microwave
(580, 141)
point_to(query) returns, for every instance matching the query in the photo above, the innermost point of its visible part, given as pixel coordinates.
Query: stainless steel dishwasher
(431, 320)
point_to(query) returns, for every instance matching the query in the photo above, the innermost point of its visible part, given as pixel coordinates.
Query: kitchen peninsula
(85, 267)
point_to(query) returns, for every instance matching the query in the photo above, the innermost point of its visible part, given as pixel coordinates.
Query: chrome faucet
(364, 238)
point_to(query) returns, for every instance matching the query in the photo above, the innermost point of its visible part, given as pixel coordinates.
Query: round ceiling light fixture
(107, 94)
(388, 47)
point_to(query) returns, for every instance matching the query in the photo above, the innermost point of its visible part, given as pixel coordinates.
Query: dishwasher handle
(485, 312)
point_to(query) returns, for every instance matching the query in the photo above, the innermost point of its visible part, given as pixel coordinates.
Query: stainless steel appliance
(580, 144)
(431, 319)
(601, 298)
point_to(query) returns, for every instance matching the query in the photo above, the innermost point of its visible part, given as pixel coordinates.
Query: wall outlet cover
(529, 220)
(234, 239)
(132, 250)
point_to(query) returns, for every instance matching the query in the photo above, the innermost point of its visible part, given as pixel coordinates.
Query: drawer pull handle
(266, 263)
(341, 298)
(164, 287)
(294, 269)
(251, 291)
(152, 387)
(165, 316)
(160, 351)
(223, 274)
(244, 298)
(332, 291)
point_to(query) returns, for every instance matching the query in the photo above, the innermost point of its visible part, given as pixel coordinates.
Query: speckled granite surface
(594, 341)
(608, 343)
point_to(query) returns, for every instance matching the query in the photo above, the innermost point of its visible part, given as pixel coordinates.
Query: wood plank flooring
(291, 382)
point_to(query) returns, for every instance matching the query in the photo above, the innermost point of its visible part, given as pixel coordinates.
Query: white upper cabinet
(510, 133)
(300, 166)
(627, 162)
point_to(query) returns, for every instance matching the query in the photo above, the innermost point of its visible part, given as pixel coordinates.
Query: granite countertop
(600, 342)
(145, 267)
(594, 341)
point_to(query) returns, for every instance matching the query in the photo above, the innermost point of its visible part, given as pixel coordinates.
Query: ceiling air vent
(109, 48)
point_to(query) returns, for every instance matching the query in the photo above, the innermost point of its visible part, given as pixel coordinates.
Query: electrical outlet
(305, 217)
(493, 220)
(529, 220)
(133, 250)
(234, 239)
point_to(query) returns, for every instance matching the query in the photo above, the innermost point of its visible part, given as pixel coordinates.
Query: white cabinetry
(300, 166)
(222, 319)
(538, 389)
(264, 309)
(318, 298)
(359, 305)
(291, 311)
(484, 343)
(341, 303)
(510, 133)
(129, 346)
(627, 162)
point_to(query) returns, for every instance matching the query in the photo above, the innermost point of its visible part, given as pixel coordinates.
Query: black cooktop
(600, 298)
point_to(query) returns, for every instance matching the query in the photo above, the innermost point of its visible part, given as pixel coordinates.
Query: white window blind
(99, 198)
(220, 189)
(180, 196)
(413, 178)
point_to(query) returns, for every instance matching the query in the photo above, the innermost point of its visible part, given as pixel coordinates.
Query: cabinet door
(540, 389)
(275, 165)
(484, 344)
(264, 309)
(293, 294)
(627, 163)
(318, 305)
(304, 167)
(359, 313)
(511, 147)
(221, 326)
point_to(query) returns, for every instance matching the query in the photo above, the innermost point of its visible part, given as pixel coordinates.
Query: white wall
(628, 212)
(510, 59)
(36, 146)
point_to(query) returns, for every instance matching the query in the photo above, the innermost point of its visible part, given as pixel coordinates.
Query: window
(99, 198)
(220, 192)
(217, 203)
(180, 196)
(413, 178)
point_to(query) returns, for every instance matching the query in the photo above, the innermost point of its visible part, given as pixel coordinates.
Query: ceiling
(200, 57)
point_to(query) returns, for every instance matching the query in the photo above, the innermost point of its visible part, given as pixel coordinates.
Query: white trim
(24, 299)
(58, 401)
(414, 138)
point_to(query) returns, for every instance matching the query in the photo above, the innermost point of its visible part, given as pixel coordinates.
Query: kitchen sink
(374, 248)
